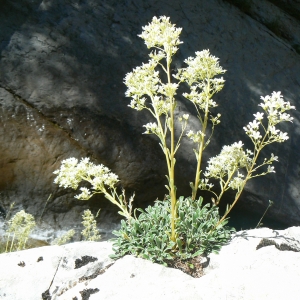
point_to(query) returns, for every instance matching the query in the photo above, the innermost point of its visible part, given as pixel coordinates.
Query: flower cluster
(236, 182)
(227, 163)
(161, 33)
(168, 89)
(205, 184)
(184, 118)
(142, 81)
(200, 75)
(274, 107)
(215, 120)
(196, 137)
(161, 107)
(21, 223)
(252, 130)
(151, 128)
(72, 172)
(200, 98)
(201, 68)
(102, 180)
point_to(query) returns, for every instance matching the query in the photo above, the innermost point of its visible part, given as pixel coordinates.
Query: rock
(62, 94)
(241, 270)
(55, 268)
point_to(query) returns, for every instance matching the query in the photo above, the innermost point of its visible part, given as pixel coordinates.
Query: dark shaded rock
(21, 264)
(61, 95)
(46, 295)
(85, 294)
(84, 260)
(280, 244)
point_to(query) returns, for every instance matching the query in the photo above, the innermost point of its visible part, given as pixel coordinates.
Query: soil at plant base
(191, 266)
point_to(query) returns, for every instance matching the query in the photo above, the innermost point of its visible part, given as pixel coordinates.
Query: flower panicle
(162, 34)
(72, 172)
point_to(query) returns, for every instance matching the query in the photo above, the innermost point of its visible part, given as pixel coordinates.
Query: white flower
(205, 185)
(151, 128)
(275, 106)
(157, 55)
(85, 194)
(255, 135)
(215, 120)
(273, 130)
(271, 169)
(273, 157)
(258, 116)
(254, 125)
(285, 117)
(195, 137)
(237, 182)
(283, 136)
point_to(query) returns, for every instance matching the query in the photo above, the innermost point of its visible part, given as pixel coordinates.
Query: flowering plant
(149, 92)
(101, 179)
(19, 229)
(232, 168)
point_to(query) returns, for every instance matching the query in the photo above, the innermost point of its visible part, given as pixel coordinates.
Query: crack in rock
(98, 272)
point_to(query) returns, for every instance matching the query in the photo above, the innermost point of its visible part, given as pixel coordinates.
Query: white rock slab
(256, 264)
(50, 267)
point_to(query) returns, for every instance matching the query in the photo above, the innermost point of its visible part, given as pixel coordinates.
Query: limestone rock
(84, 271)
(57, 268)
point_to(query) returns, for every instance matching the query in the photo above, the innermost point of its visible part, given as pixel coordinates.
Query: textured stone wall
(62, 65)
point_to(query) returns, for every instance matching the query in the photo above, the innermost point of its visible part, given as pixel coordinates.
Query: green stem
(114, 201)
(7, 242)
(12, 242)
(200, 151)
(270, 204)
(172, 161)
(225, 187)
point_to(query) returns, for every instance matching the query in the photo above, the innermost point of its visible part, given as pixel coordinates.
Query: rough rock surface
(81, 271)
(62, 65)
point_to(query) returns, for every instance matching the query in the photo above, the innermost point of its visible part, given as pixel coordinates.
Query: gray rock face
(83, 270)
(62, 94)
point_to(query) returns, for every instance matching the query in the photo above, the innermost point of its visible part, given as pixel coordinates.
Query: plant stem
(270, 204)
(121, 206)
(200, 151)
(44, 208)
(172, 160)
(225, 187)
